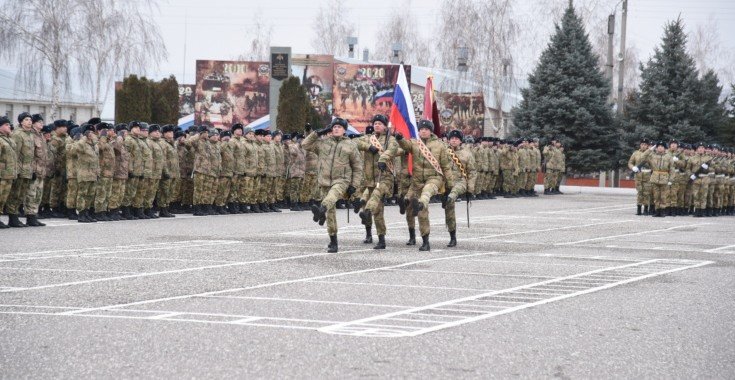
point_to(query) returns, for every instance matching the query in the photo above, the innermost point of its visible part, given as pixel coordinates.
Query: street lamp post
(351, 42)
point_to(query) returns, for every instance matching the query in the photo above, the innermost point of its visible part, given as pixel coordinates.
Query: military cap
(178, 134)
(469, 140)
(237, 126)
(87, 128)
(286, 137)
(168, 128)
(133, 124)
(645, 141)
(673, 141)
(381, 118)
(276, 133)
(426, 124)
(4, 120)
(341, 122)
(154, 128)
(121, 126)
(75, 131)
(213, 132)
(369, 130)
(224, 134)
(355, 135)
(202, 129)
(144, 126)
(94, 121)
(455, 133)
(102, 126)
(36, 117)
(247, 130)
(48, 128)
(660, 143)
(23, 115)
(60, 123)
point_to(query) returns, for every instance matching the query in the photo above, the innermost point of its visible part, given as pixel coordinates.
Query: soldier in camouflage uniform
(120, 173)
(268, 183)
(235, 202)
(45, 210)
(106, 170)
(524, 167)
(71, 172)
(431, 168)
(308, 189)
(698, 169)
(57, 194)
(340, 173)
(206, 168)
(24, 148)
(34, 194)
(169, 185)
(482, 163)
(88, 170)
(227, 171)
(642, 177)
(280, 170)
(493, 168)
(260, 181)
(509, 169)
(186, 170)
(679, 181)
(250, 161)
(662, 173)
(8, 164)
(135, 169)
(535, 156)
(464, 177)
(294, 171)
(150, 170)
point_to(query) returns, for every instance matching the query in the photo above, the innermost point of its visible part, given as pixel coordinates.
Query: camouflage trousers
(660, 194)
(45, 199)
(146, 192)
(643, 188)
(375, 196)
(711, 191)
(689, 194)
(530, 180)
(424, 191)
(224, 185)
(482, 178)
(492, 181)
(131, 190)
(718, 196)
(280, 188)
(18, 194)
(204, 189)
(102, 194)
(308, 187)
(267, 192)
(234, 195)
(5, 186)
(450, 216)
(85, 195)
(254, 192)
(699, 192)
(294, 189)
(33, 197)
(245, 189)
(186, 191)
(404, 185)
(330, 195)
(677, 191)
(167, 191)
(57, 192)
(117, 193)
(508, 181)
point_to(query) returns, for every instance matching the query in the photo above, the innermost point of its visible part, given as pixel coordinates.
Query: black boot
(32, 221)
(452, 239)
(669, 211)
(83, 218)
(698, 213)
(366, 217)
(411, 236)
(101, 216)
(368, 235)
(164, 213)
(425, 245)
(557, 190)
(332, 247)
(691, 210)
(90, 216)
(198, 211)
(244, 208)
(646, 210)
(72, 214)
(3, 225)
(416, 206)
(14, 221)
(126, 215)
(357, 205)
(402, 204)
(273, 208)
(381, 242)
(232, 208)
(639, 210)
(708, 212)
(320, 213)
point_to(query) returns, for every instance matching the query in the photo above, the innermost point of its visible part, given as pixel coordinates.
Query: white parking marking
(546, 230)
(631, 234)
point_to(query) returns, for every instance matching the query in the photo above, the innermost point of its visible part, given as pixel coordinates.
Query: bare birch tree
(706, 48)
(259, 34)
(331, 26)
(401, 28)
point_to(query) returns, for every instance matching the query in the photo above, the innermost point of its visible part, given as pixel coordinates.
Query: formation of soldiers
(99, 172)
(684, 179)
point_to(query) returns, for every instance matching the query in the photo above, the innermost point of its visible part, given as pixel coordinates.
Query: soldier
(379, 149)
(107, 171)
(532, 176)
(250, 160)
(206, 170)
(679, 181)
(340, 173)
(24, 149)
(524, 167)
(33, 197)
(88, 170)
(186, 170)
(71, 172)
(493, 158)
(662, 174)
(8, 164)
(294, 171)
(431, 168)
(120, 172)
(697, 169)
(309, 188)
(135, 169)
(45, 210)
(509, 168)
(57, 193)
(636, 163)
(260, 179)
(268, 183)
(280, 170)
(235, 202)
(227, 171)
(464, 177)
(146, 181)
(169, 184)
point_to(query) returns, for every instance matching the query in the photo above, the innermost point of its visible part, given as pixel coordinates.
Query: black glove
(33, 176)
(399, 136)
(382, 166)
(165, 176)
(351, 190)
(373, 149)
(324, 130)
(130, 175)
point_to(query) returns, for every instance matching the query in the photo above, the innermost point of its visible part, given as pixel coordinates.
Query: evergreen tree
(567, 99)
(725, 132)
(165, 106)
(133, 100)
(672, 101)
(293, 106)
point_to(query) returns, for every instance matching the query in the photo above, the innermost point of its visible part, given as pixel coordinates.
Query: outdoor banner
(186, 99)
(316, 73)
(361, 91)
(229, 92)
(465, 112)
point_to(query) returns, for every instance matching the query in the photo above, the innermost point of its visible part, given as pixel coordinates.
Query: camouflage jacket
(240, 153)
(261, 153)
(8, 158)
(422, 169)
(493, 160)
(171, 157)
(149, 164)
(25, 151)
(122, 158)
(388, 146)
(106, 158)
(186, 160)
(132, 145)
(157, 156)
(662, 168)
(466, 156)
(251, 158)
(339, 160)
(50, 159)
(280, 159)
(205, 161)
(40, 155)
(312, 162)
(58, 146)
(269, 155)
(87, 160)
(71, 158)
(296, 161)
(554, 159)
(227, 155)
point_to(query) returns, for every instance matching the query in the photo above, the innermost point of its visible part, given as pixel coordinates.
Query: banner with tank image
(230, 92)
(462, 111)
(316, 74)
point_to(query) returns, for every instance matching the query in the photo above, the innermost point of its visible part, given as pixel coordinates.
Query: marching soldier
(8, 164)
(431, 165)
(340, 174)
(464, 177)
(662, 168)
(636, 163)
(24, 149)
(679, 182)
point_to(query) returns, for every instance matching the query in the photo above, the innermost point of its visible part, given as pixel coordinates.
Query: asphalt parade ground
(570, 286)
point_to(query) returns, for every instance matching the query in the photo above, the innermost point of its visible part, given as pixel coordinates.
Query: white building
(14, 100)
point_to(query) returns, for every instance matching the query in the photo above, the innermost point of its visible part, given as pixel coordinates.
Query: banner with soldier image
(186, 99)
(316, 73)
(229, 92)
(465, 112)
(361, 91)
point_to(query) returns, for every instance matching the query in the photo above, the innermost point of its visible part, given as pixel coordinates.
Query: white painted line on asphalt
(65, 270)
(398, 285)
(547, 230)
(631, 234)
(567, 211)
(310, 301)
(164, 316)
(470, 273)
(720, 249)
(157, 259)
(532, 263)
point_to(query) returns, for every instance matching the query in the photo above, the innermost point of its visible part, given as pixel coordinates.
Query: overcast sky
(216, 29)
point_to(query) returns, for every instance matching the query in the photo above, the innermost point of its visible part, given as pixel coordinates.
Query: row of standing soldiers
(684, 179)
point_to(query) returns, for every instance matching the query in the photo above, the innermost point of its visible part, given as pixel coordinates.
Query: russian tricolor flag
(402, 116)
